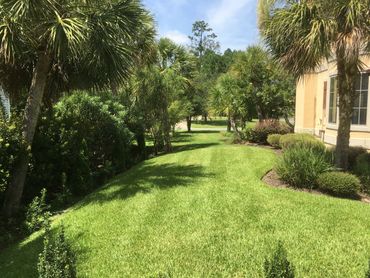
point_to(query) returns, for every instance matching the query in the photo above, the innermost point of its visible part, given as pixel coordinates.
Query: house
(317, 110)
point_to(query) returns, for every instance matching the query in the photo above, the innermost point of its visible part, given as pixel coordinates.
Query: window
(333, 96)
(360, 106)
(359, 115)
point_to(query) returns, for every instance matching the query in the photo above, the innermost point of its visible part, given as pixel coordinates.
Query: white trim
(362, 142)
(304, 130)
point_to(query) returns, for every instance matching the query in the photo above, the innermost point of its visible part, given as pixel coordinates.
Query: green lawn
(203, 212)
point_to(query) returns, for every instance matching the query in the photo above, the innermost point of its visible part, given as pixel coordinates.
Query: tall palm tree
(92, 40)
(302, 33)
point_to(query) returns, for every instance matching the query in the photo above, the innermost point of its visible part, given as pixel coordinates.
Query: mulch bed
(273, 179)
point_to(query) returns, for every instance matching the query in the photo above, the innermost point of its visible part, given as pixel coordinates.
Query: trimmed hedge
(339, 183)
(300, 166)
(300, 140)
(274, 140)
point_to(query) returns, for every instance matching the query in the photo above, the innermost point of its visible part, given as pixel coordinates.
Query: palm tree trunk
(259, 113)
(228, 121)
(188, 123)
(346, 92)
(140, 139)
(31, 113)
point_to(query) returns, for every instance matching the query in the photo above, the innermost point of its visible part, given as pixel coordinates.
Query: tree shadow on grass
(145, 178)
(212, 123)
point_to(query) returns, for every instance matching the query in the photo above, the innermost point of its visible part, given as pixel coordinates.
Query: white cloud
(224, 12)
(177, 37)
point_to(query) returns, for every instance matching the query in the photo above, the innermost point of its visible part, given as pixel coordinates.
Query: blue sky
(234, 21)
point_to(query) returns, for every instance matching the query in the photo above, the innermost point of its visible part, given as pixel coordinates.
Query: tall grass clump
(300, 166)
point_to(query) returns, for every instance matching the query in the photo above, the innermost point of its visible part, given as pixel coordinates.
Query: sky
(234, 21)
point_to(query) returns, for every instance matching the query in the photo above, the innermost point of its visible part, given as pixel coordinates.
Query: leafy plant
(263, 129)
(274, 140)
(37, 213)
(10, 147)
(367, 275)
(278, 266)
(57, 259)
(300, 166)
(362, 170)
(339, 183)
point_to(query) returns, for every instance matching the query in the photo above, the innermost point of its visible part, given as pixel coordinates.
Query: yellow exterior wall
(311, 117)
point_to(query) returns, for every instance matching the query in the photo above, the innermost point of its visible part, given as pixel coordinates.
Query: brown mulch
(273, 179)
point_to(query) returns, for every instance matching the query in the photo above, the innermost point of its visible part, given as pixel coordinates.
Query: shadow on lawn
(144, 178)
(212, 123)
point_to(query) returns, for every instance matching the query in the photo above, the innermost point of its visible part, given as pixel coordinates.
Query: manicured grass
(215, 122)
(203, 212)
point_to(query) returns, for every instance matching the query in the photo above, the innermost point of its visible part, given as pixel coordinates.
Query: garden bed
(272, 179)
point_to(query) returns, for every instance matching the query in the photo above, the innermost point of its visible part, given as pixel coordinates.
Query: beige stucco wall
(312, 117)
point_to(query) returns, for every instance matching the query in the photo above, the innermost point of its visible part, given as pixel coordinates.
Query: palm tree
(302, 33)
(92, 41)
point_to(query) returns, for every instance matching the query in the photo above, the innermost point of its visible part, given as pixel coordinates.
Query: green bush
(79, 144)
(274, 140)
(300, 166)
(362, 170)
(278, 266)
(367, 275)
(301, 139)
(262, 130)
(37, 213)
(353, 154)
(10, 146)
(56, 259)
(339, 183)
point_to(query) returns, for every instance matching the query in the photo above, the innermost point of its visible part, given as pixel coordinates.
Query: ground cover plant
(203, 211)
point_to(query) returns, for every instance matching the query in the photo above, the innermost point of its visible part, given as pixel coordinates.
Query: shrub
(339, 183)
(37, 213)
(56, 259)
(278, 266)
(274, 140)
(367, 275)
(262, 130)
(362, 170)
(81, 143)
(10, 146)
(353, 154)
(301, 139)
(300, 166)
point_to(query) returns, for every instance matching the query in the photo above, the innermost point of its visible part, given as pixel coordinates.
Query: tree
(301, 34)
(203, 39)
(228, 98)
(94, 38)
(269, 89)
(205, 47)
(162, 88)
